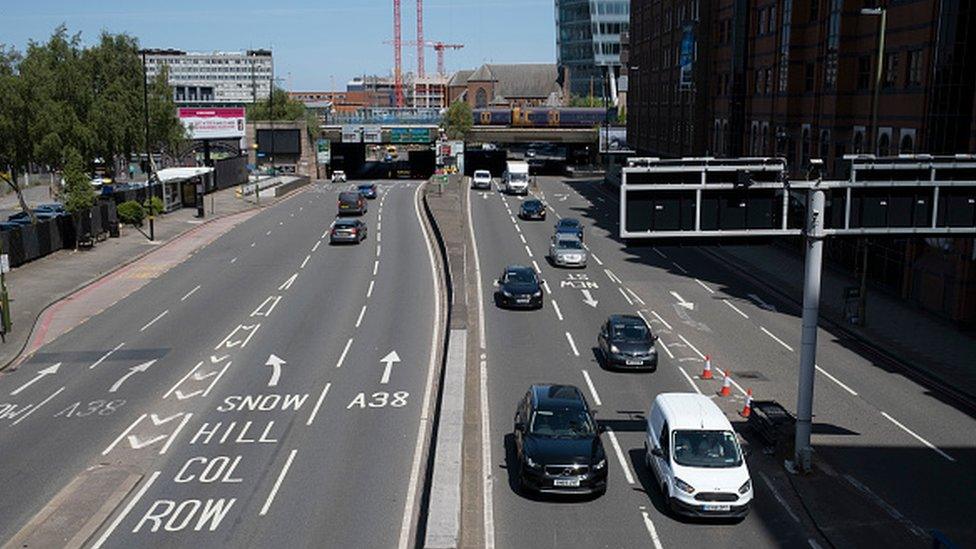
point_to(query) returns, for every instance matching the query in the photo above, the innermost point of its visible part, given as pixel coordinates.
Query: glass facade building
(587, 39)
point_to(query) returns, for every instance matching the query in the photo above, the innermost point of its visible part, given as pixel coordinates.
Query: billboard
(214, 123)
(687, 56)
(613, 139)
(323, 151)
(410, 135)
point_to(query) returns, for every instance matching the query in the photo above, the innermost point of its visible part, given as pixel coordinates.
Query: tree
(78, 192)
(284, 108)
(585, 101)
(116, 115)
(166, 132)
(458, 120)
(15, 146)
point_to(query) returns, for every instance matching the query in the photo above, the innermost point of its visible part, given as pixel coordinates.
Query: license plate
(716, 507)
(522, 300)
(635, 362)
(566, 482)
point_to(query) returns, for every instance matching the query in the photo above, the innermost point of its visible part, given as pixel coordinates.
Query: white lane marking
(128, 509)
(690, 380)
(528, 251)
(636, 297)
(894, 513)
(627, 297)
(661, 320)
(611, 276)
(267, 233)
(778, 340)
(665, 347)
(486, 487)
(702, 284)
(477, 274)
(597, 259)
(379, 236)
(620, 456)
(918, 438)
(408, 510)
(305, 262)
(536, 266)
(660, 253)
(176, 433)
(555, 307)
(108, 354)
(216, 379)
(679, 267)
(361, 313)
(379, 226)
(779, 498)
(369, 292)
(379, 249)
(315, 248)
(342, 357)
(518, 229)
(34, 409)
(734, 308)
(522, 236)
(277, 484)
(123, 434)
(273, 300)
(692, 347)
(835, 380)
(572, 344)
(545, 284)
(182, 379)
(191, 292)
(232, 261)
(153, 321)
(318, 404)
(376, 266)
(253, 244)
(589, 383)
(287, 284)
(651, 531)
(326, 233)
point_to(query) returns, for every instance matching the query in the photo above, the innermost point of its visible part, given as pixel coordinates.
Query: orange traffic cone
(707, 372)
(726, 385)
(747, 409)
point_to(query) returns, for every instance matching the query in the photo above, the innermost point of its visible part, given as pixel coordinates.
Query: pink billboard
(213, 123)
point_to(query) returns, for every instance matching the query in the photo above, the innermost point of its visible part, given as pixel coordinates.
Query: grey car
(347, 231)
(565, 250)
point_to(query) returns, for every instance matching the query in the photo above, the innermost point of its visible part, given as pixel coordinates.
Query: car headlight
(614, 349)
(600, 464)
(506, 293)
(531, 463)
(745, 487)
(538, 293)
(683, 486)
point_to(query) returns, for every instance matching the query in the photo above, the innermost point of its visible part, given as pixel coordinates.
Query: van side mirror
(519, 426)
(657, 452)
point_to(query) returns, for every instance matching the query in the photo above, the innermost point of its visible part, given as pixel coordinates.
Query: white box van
(516, 177)
(696, 458)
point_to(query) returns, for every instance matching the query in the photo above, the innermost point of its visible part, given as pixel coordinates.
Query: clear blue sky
(314, 41)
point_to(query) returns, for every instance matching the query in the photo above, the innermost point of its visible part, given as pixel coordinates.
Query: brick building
(508, 85)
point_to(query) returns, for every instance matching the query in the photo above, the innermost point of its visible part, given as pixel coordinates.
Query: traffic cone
(747, 409)
(726, 385)
(707, 372)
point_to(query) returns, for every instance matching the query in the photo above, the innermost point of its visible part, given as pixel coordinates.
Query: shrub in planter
(154, 205)
(131, 213)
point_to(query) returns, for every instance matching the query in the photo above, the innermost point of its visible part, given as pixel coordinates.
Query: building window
(814, 9)
(763, 28)
(481, 98)
(769, 81)
(824, 144)
(863, 72)
(784, 48)
(759, 85)
(914, 69)
(884, 142)
(907, 144)
(808, 77)
(891, 70)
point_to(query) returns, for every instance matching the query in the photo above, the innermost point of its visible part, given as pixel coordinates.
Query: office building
(588, 42)
(215, 79)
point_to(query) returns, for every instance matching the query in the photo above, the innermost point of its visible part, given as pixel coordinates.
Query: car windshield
(569, 245)
(568, 224)
(345, 224)
(365, 187)
(523, 276)
(532, 205)
(562, 423)
(631, 332)
(482, 175)
(518, 177)
(706, 449)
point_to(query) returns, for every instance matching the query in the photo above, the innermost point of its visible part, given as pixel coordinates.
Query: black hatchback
(519, 287)
(626, 341)
(533, 209)
(557, 442)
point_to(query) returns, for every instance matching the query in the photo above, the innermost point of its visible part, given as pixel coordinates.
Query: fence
(29, 242)
(230, 172)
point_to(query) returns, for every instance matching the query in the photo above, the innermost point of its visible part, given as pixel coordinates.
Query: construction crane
(439, 47)
(420, 38)
(397, 56)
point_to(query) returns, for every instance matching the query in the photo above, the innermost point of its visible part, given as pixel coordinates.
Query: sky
(315, 43)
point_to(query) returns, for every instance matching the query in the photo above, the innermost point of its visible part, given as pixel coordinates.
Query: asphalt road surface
(901, 447)
(266, 392)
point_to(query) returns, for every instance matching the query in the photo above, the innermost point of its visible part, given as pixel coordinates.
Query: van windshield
(518, 177)
(706, 449)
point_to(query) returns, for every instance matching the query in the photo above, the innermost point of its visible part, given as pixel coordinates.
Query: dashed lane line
(277, 484)
(734, 308)
(918, 438)
(651, 531)
(106, 355)
(153, 321)
(679, 267)
(778, 340)
(305, 262)
(589, 383)
(318, 404)
(528, 251)
(835, 380)
(191, 292)
(361, 313)
(692, 347)
(342, 357)
(703, 285)
(636, 297)
(620, 456)
(555, 308)
(627, 297)
(660, 253)
(661, 320)
(369, 292)
(572, 344)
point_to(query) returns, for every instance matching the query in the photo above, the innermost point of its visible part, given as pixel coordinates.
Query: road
(267, 391)
(873, 427)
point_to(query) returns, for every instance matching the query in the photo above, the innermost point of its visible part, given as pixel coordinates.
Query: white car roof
(692, 411)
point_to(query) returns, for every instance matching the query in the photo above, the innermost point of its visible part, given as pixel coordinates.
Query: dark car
(519, 287)
(368, 190)
(351, 203)
(557, 442)
(570, 225)
(533, 209)
(347, 231)
(626, 341)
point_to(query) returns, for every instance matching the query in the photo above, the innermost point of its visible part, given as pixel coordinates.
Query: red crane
(420, 38)
(397, 60)
(439, 47)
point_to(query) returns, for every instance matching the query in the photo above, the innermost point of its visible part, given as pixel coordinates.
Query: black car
(346, 230)
(519, 287)
(351, 203)
(557, 442)
(570, 225)
(533, 209)
(626, 341)
(368, 190)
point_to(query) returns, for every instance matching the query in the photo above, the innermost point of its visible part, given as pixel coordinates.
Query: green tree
(114, 72)
(585, 101)
(16, 148)
(458, 120)
(166, 132)
(284, 108)
(78, 192)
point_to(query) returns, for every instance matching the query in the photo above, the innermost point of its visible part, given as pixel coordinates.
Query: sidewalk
(36, 285)
(936, 350)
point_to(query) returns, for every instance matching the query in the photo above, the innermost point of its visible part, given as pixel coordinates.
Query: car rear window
(570, 244)
(349, 197)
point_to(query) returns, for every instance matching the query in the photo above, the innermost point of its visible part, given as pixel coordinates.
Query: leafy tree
(284, 108)
(15, 146)
(131, 212)
(585, 101)
(116, 115)
(458, 120)
(166, 132)
(78, 192)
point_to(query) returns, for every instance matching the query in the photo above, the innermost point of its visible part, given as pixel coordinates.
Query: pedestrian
(132, 172)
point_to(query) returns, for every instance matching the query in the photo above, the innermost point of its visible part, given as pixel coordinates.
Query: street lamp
(149, 169)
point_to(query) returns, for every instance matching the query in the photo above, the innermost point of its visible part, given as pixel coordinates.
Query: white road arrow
(275, 364)
(53, 369)
(180, 395)
(588, 299)
(140, 444)
(159, 421)
(214, 359)
(681, 301)
(199, 376)
(389, 360)
(762, 303)
(132, 371)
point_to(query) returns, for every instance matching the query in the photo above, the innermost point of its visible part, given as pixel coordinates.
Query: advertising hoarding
(410, 135)
(213, 123)
(323, 151)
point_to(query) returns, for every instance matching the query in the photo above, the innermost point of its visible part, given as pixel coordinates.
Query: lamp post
(149, 168)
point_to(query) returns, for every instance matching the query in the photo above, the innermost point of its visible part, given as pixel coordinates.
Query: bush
(154, 205)
(131, 213)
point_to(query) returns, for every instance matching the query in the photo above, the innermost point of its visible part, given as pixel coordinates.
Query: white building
(214, 79)
(588, 41)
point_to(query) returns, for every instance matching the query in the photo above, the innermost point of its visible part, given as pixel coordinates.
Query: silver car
(567, 251)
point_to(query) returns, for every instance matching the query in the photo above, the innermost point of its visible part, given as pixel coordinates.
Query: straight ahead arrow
(588, 299)
(389, 360)
(681, 301)
(46, 371)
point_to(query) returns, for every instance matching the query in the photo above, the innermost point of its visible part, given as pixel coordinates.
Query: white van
(516, 177)
(696, 458)
(481, 179)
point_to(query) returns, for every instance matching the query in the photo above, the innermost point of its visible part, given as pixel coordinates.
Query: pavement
(874, 427)
(267, 390)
